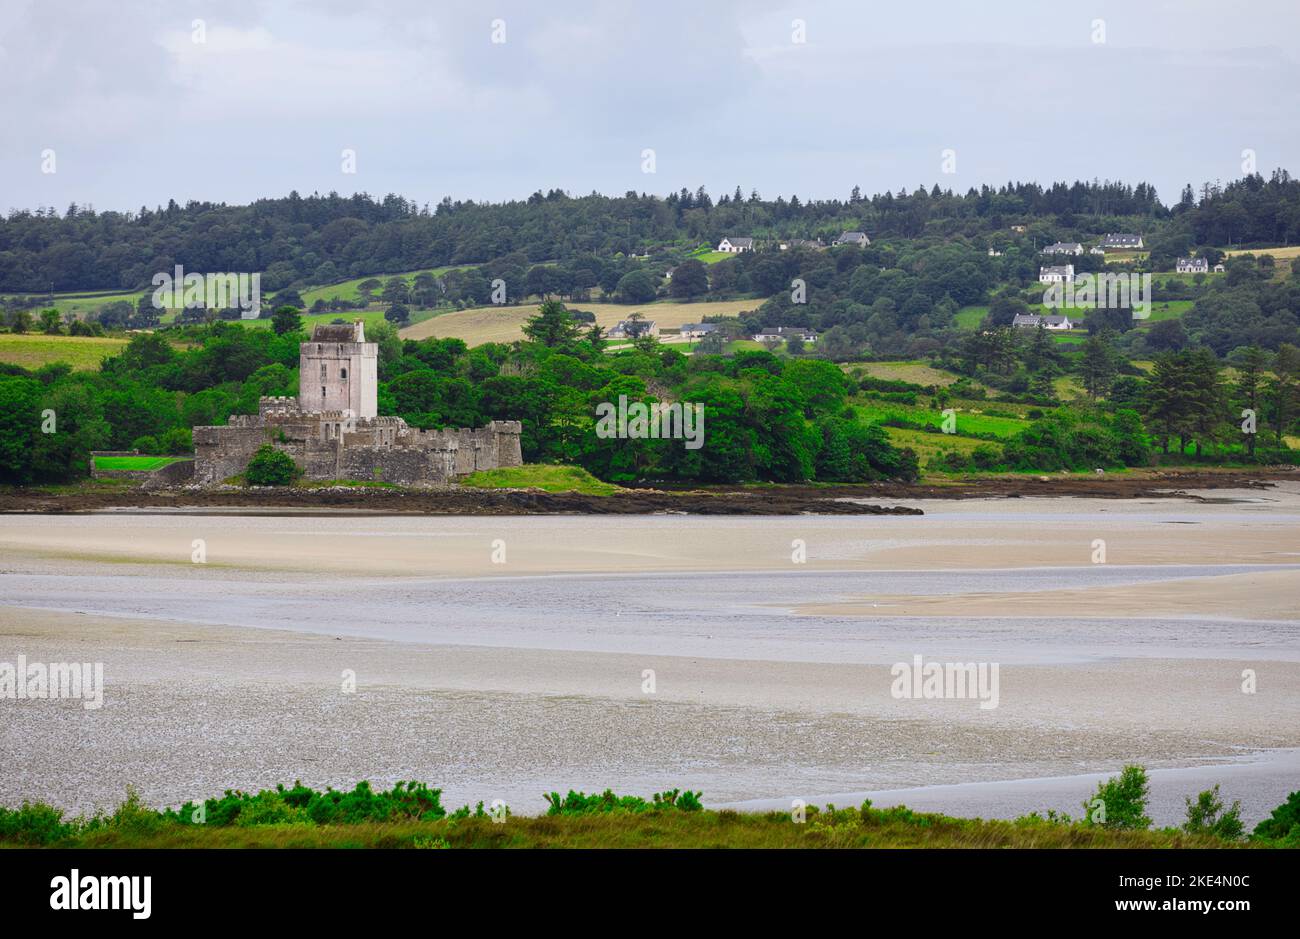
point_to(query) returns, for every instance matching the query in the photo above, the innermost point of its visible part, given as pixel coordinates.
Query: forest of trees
(304, 241)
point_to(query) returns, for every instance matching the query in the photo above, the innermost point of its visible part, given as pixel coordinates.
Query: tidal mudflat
(748, 657)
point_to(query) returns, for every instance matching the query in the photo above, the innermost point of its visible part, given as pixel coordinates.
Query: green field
(928, 445)
(347, 289)
(32, 350)
(969, 317)
(912, 370)
(970, 420)
(138, 464)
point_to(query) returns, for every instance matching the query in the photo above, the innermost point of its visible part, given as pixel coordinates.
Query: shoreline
(793, 499)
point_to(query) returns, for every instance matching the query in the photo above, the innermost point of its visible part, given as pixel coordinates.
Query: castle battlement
(333, 431)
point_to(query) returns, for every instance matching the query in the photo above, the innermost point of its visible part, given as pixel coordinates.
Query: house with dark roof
(1064, 247)
(1122, 242)
(802, 243)
(1034, 320)
(633, 329)
(1192, 266)
(782, 333)
(698, 330)
(858, 238)
(736, 245)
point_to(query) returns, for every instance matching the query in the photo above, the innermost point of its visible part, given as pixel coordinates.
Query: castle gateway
(333, 429)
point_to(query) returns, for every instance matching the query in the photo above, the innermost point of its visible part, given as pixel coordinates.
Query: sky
(127, 103)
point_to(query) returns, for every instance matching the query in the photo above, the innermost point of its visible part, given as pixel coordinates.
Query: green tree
(636, 287)
(690, 280)
(286, 320)
(1097, 365)
(1250, 363)
(1206, 816)
(552, 326)
(1284, 389)
(271, 467)
(1120, 802)
(50, 323)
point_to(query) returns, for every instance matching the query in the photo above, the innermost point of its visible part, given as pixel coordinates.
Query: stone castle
(333, 429)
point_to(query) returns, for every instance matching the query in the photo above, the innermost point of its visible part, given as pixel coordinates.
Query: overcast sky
(139, 105)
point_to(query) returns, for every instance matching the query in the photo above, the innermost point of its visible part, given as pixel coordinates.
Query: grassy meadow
(504, 323)
(32, 350)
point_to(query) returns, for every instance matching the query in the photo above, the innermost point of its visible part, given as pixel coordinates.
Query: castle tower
(339, 371)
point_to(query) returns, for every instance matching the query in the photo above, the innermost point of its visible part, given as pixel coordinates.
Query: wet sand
(772, 680)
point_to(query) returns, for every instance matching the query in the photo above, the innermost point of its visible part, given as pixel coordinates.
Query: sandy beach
(771, 678)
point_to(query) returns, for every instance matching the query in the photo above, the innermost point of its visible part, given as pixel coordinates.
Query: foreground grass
(541, 476)
(706, 829)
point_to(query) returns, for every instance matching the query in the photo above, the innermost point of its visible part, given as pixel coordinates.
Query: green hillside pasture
(347, 289)
(969, 421)
(32, 350)
(910, 370)
(970, 317)
(927, 446)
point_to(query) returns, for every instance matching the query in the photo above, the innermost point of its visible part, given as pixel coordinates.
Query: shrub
(271, 467)
(1120, 802)
(579, 803)
(146, 444)
(1284, 823)
(1206, 816)
(35, 824)
(176, 441)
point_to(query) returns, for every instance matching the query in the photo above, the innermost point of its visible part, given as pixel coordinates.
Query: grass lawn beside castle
(549, 478)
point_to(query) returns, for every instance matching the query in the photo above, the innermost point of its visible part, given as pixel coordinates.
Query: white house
(801, 243)
(858, 238)
(994, 253)
(1056, 274)
(1033, 321)
(698, 330)
(782, 333)
(1122, 242)
(736, 245)
(1097, 249)
(1064, 247)
(1192, 266)
(633, 329)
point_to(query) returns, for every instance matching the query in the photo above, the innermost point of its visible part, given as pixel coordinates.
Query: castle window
(343, 374)
(322, 393)
(323, 374)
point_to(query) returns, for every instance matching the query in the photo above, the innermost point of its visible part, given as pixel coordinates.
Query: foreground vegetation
(411, 815)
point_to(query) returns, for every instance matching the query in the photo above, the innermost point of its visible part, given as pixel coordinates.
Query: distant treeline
(324, 239)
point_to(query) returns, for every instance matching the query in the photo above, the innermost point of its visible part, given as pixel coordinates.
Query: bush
(1284, 823)
(579, 803)
(1206, 816)
(178, 440)
(1120, 802)
(271, 467)
(146, 444)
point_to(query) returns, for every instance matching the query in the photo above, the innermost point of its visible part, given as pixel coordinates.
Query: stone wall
(337, 445)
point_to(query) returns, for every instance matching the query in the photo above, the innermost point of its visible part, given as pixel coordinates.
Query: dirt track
(773, 500)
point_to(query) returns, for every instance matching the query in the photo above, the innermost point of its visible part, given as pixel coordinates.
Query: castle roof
(339, 332)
